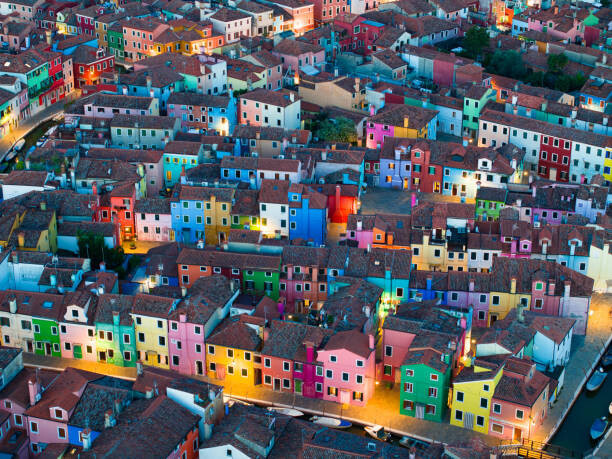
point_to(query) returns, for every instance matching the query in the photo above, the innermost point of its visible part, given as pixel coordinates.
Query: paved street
(7, 142)
(384, 407)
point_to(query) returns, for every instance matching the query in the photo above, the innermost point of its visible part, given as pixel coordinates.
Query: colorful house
(210, 113)
(474, 101)
(349, 363)
(397, 120)
(472, 393)
(307, 214)
(153, 220)
(289, 358)
(179, 156)
(489, 201)
(150, 314)
(116, 340)
(77, 328)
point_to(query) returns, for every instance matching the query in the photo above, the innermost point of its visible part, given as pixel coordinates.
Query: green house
(261, 274)
(474, 101)
(425, 380)
(115, 40)
(489, 202)
(46, 330)
(115, 336)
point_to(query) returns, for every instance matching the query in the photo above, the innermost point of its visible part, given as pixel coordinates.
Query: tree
(337, 130)
(556, 62)
(91, 245)
(476, 39)
(508, 64)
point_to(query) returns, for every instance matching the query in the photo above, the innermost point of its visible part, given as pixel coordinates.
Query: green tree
(338, 130)
(556, 62)
(507, 63)
(91, 245)
(476, 39)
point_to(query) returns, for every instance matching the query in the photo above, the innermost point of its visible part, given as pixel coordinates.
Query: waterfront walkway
(383, 408)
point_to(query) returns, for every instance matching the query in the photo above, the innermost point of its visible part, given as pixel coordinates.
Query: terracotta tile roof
(295, 48)
(266, 96)
(110, 304)
(274, 191)
(428, 357)
(144, 122)
(123, 154)
(351, 340)
(227, 15)
(206, 296)
(554, 327)
(200, 100)
(210, 257)
(519, 391)
(7, 355)
(26, 178)
(395, 114)
(204, 193)
(287, 340)
(235, 334)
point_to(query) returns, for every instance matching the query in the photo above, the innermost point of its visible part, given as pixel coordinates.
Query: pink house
(50, 409)
(153, 220)
(295, 54)
(360, 228)
(560, 22)
(395, 345)
(288, 357)
(349, 363)
(77, 329)
(301, 12)
(263, 107)
(186, 344)
(305, 283)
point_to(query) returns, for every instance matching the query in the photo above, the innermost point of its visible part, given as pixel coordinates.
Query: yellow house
(473, 389)
(233, 354)
(607, 170)
(36, 230)
(150, 314)
(8, 224)
(217, 210)
(501, 303)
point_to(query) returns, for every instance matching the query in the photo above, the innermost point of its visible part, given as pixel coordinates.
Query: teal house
(115, 336)
(474, 101)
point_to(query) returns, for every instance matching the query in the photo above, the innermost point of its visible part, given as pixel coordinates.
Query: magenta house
(349, 365)
(360, 228)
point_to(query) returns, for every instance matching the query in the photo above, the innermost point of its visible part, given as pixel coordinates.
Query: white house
(278, 169)
(553, 339)
(274, 208)
(233, 24)
(22, 182)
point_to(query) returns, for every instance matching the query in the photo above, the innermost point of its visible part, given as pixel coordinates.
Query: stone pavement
(383, 409)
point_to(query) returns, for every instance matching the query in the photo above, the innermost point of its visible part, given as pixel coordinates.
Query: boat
(19, 145)
(286, 411)
(599, 427)
(331, 422)
(596, 380)
(610, 408)
(606, 361)
(10, 155)
(377, 432)
(409, 442)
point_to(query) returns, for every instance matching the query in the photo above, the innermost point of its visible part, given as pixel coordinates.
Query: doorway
(518, 435)
(47, 348)
(199, 367)
(29, 346)
(277, 384)
(78, 351)
(102, 356)
(257, 376)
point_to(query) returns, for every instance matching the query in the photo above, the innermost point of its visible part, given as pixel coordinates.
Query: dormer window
(58, 414)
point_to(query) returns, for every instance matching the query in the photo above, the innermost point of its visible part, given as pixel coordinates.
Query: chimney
(86, 438)
(471, 285)
(551, 287)
(21, 239)
(371, 342)
(53, 280)
(566, 289)
(605, 120)
(372, 110)
(336, 72)
(102, 266)
(149, 83)
(183, 318)
(183, 291)
(406, 121)
(257, 135)
(513, 285)
(34, 390)
(357, 86)
(48, 37)
(292, 97)
(533, 191)
(514, 99)
(208, 430)
(109, 419)
(139, 369)
(148, 392)
(574, 113)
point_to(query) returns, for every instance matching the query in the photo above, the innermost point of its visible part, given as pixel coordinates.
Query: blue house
(395, 163)
(187, 213)
(307, 214)
(428, 285)
(240, 169)
(159, 83)
(70, 44)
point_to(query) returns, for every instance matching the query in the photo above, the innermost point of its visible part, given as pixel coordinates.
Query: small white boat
(331, 422)
(286, 411)
(10, 155)
(19, 145)
(377, 432)
(596, 380)
(610, 408)
(599, 427)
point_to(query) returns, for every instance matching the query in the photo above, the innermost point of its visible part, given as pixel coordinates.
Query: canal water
(574, 433)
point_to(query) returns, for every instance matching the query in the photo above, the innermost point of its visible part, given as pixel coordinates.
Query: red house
(89, 63)
(325, 11)
(86, 19)
(341, 200)
(426, 175)
(555, 157)
(361, 33)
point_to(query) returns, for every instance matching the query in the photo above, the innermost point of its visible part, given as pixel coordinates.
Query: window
(33, 427)
(286, 383)
(408, 387)
(497, 428)
(286, 366)
(211, 349)
(389, 351)
(230, 353)
(484, 402)
(459, 396)
(485, 387)
(519, 414)
(333, 358)
(480, 420)
(497, 408)
(433, 377)
(345, 376)
(359, 363)
(267, 363)
(399, 292)
(458, 415)
(495, 300)
(433, 392)
(409, 373)
(319, 387)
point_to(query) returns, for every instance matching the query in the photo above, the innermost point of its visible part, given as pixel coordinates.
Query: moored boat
(377, 432)
(286, 411)
(606, 361)
(409, 442)
(610, 408)
(596, 380)
(599, 427)
(331, 422)
(19, 145)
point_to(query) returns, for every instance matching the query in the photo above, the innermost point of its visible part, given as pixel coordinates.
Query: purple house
(544, 205)
(469, 289)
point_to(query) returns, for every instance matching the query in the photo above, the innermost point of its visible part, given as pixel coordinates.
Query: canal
(574, 433)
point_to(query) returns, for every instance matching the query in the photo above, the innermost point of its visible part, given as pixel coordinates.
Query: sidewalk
(7, 142)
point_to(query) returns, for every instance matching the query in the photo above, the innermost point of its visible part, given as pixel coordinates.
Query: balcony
(35, 92)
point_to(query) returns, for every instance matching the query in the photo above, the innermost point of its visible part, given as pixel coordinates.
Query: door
(78, 351)
(257, 376)
(436, 187)
(454, 191)
(518, 435)
(298, 386)
(47, 348)
(102, 356)
(199, 367)
(29, 346)
(406, 183)
(552, 174)
(468, 421)
(420, 411)
(172, 235)
(345, 396)
(277, 384)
